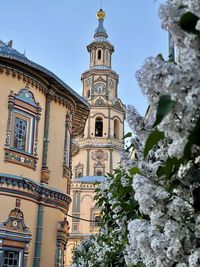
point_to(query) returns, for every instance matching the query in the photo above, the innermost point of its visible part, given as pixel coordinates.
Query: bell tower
(99, 148)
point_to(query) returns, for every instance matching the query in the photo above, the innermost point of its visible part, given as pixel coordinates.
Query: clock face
(100, 88)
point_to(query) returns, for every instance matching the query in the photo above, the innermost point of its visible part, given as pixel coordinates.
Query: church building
(100, 146)
(40, 115)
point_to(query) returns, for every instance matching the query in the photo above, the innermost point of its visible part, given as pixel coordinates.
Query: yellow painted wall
(7, 83)
(56, 146)
(55, 164)
(50, 220)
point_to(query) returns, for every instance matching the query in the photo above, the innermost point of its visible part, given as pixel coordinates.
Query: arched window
(116, 129)
(88, 93)
(79, 175)
(99, 127)
(99, 54)
(99, 173)
(97, 220)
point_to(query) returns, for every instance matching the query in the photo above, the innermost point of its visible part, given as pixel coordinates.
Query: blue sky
(55, 34)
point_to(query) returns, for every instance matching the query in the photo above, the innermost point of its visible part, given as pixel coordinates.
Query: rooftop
(8, 53)
(89, 179)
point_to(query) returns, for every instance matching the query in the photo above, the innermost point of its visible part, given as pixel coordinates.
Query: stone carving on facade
(15, 219)
(111, 84)
(63, 233)
(15, 233)
(79, 170)
(99, 102)
(99, 156)
(88, 82)
(100, 79)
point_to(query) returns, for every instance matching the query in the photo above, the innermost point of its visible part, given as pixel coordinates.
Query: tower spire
(100, 31)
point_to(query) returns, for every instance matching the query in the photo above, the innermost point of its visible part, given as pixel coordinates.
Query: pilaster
(45, 170)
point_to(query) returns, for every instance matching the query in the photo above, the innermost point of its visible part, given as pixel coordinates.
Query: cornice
(104, 45)
(33, 80)
(109, 72)
(33, 191)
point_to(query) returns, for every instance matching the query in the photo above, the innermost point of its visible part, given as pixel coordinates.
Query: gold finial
(101, 14)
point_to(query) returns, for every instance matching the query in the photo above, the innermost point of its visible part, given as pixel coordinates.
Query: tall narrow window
(99, 127)
(22, 129)
(88, 93)
(97, 220)
(116, 129)
(99, 54)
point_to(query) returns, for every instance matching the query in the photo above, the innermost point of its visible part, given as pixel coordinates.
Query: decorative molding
(14, 233)
(36, 192)
(45, 172)
(111, 160)
(67, 172)
(88, 162)
(99, 156)
(67, 147)
(62, 234)
(13, 156)
(27, 79)
(35, 83)
(78, 170)
(23, 101)
(99, 166)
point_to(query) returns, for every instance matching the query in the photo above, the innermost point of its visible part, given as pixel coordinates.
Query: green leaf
(170, 167)
(173, 185)
(188, 23)
(160, 171)
(165, 105)
(134, 170)
(196, 196)
(192, 139)
(129, 134)
(152, 140)
(196, 176)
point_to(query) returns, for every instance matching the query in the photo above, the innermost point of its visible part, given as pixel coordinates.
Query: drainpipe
(38, 239)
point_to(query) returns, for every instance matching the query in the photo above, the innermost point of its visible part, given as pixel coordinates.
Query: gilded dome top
(101, 14)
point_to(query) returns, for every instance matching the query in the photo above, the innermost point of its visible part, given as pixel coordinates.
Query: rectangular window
(20, 133)
(74, 228)
(21, 146)
(11, 258)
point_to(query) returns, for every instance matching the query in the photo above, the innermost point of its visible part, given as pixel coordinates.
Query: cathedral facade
(101, 144)
(39, 116)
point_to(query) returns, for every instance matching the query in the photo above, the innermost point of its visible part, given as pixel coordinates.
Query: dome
(101, 14)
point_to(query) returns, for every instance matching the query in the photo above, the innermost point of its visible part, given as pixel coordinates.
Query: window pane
(20, 133)
(10, 258)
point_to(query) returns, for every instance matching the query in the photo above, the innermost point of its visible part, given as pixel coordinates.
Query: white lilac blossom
(171, 228)
(156, 221)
